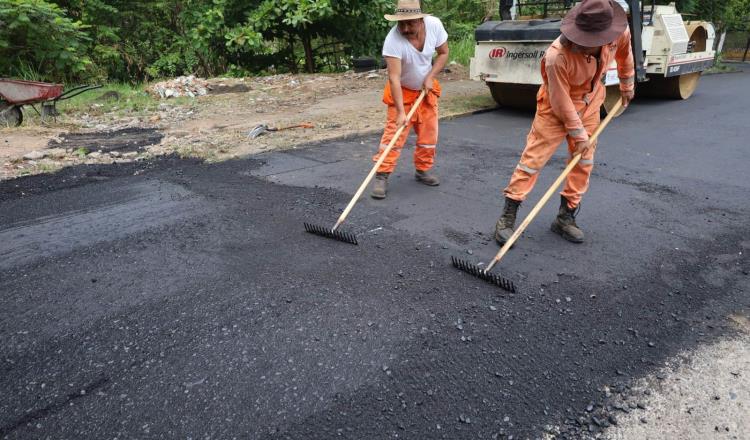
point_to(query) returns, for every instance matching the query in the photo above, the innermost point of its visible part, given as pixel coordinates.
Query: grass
(131, 98)
(720, 67)
(27, 72)
(123, 98)
(49, 167)
(462, 51)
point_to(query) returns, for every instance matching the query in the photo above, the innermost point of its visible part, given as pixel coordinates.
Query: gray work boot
(427, 178)
(565, 223)
(380, 187)
(507, 221)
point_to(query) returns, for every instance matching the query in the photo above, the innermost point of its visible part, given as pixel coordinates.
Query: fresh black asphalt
(176, 299)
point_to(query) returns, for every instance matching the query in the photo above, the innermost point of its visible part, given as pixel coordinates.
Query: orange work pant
(547, 133)
(425, 123)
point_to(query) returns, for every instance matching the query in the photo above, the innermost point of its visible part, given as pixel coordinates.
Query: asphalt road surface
(174, 299)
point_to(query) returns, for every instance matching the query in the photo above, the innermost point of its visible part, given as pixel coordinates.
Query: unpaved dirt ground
(216, 126)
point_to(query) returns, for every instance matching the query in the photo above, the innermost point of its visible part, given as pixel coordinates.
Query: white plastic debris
(182, 86)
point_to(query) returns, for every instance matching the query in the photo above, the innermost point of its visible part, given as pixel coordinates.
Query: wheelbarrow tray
(19, 92)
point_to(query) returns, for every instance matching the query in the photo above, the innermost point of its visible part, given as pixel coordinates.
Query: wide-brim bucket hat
(594, 23)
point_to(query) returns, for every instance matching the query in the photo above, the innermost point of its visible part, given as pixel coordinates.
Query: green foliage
(738, 15)
(461, 51)
(282, 25)
(134, 41)
(460, 17)
(293, 14)
(711, 10)
(26, 46)
(725, 14)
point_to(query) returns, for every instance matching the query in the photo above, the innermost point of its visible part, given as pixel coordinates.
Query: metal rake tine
(482, 274)
(328, 233)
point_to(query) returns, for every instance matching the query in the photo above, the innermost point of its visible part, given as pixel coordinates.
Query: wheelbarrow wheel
(10, 115)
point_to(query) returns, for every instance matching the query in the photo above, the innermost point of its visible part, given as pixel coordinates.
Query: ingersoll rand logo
(498, 52)
(502, 52)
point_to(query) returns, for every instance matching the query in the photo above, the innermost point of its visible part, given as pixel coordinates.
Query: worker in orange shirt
(408, 50)
(594, 33)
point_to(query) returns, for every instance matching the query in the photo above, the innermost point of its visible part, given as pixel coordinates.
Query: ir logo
(498, 52)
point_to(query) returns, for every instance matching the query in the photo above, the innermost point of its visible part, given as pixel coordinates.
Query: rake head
(258, 131)
(328, 233)
(491, 278)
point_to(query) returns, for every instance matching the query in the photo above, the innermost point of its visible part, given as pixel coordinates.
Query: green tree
(103, 32)
(460, 17)
(26, 48)
(738, 15)
(724, 14)
(711, 10)
(135, 40)
(289, 20)
(286, 24)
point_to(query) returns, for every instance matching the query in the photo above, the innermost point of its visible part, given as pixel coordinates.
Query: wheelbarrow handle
(75, 91)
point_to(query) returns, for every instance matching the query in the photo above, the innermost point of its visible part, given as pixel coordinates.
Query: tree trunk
(720, 46)
(207, 70)
(506, 7)
(292, 60)
(309, 57)
(337, 57)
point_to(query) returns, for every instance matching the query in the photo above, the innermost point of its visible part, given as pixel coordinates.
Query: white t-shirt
(415, 65)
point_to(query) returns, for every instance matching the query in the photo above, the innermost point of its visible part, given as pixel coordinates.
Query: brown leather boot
(505, 224)
(427, 178)
(380, 187)
(565, 223)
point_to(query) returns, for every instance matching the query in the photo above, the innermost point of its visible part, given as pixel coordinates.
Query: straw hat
(594, 23)
(406, 10)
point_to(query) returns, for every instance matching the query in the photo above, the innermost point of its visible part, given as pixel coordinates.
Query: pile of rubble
(182, 86)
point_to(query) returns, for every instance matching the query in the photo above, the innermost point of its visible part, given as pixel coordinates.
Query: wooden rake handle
(611, 114)
(303, 125)
(380, 161)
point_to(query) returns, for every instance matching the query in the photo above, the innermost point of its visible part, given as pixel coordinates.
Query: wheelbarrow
(14, 94)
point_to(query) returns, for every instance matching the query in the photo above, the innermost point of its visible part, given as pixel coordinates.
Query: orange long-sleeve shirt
(574, 81)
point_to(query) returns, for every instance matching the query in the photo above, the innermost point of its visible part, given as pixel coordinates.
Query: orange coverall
(568, 105)
(425, 122)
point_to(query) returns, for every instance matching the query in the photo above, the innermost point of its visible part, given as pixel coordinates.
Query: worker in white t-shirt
(408, 50)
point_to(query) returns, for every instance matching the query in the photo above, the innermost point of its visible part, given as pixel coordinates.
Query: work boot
(505, 224)
(427, 178)
(380, 187)
(565, 223)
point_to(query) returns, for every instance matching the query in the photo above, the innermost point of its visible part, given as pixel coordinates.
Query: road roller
(670, 53)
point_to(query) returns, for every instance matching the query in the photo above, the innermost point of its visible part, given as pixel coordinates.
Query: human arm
(558, 88)
(625, 68)
(394, 78)
(438, 65)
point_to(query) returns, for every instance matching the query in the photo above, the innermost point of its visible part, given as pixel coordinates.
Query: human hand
(627, 97)
(401, 119)
(429, 82)
(582, 147)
